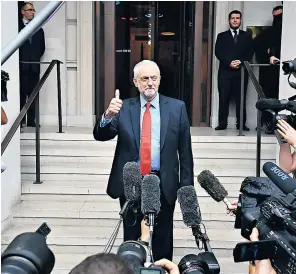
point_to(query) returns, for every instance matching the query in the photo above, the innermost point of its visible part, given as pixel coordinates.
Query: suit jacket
(226, 50)
(32, 51)
(175, 140)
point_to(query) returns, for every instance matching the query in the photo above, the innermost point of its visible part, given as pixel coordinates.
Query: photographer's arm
(287, 159)
(4, 119)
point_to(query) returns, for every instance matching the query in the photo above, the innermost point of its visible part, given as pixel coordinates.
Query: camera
(28, 253)
(137, 256)
(274, 215)
(289, 66)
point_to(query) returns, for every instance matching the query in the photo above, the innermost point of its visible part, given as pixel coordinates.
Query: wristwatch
(143, 242)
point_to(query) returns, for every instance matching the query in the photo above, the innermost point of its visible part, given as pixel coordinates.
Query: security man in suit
(232, 48)
(31, 51)
(154, 131)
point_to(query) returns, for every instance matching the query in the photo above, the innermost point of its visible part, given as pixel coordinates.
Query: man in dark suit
(232, 48)
(165, 122)
(31, 51)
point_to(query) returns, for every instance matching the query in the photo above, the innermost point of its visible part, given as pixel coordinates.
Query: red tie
(145, 153)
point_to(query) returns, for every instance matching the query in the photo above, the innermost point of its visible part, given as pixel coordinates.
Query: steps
(73, 200)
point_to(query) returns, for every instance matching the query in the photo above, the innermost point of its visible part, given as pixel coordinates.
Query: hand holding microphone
(114, 106)
(287, 132)
(215, 189)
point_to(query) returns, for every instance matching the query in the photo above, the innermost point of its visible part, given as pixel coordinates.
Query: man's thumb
(117, 94)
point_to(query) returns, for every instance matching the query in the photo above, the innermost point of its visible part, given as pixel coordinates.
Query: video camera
(137, 256)
(271, 107)
(273, 211)
(28, 253)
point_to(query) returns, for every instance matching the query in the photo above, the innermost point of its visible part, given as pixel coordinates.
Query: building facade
(78, 35)
(100, 42)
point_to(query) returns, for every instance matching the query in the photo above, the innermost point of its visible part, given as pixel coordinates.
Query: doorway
(176, 35)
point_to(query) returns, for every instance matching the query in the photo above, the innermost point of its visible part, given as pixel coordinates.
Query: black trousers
(162, 241)
(28, 81)
(229, 85)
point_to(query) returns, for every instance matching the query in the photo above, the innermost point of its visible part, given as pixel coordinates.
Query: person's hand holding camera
(287, 132)
(168, 265)
(263, 266)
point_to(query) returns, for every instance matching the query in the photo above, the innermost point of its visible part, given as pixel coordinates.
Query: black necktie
(235, 36)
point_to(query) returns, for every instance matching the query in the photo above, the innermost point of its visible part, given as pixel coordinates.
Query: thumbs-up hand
(114, 106)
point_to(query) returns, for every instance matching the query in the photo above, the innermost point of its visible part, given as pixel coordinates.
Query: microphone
(150, 203)
(214, 188)
(132, 180)
(187, 199)
(280, 178)
(275, 105)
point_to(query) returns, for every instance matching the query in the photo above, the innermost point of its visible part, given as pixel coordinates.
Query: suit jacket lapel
(164, 118)
(135, 113)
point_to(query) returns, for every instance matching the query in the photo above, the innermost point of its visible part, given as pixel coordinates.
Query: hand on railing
(273, 60)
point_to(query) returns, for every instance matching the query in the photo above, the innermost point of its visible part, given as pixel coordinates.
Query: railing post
(59, 97)
(242, 98)
(258, 143)
(37, 130)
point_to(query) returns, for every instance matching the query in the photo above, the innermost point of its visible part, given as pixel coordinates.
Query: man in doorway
(31, 51)
(232, 48)
(268, 50)
(153, 130)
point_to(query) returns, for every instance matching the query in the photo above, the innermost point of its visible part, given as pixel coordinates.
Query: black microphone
(280, 178)
(213, 187)
(187, 199)
(150, 203)
(132, 180)
(271, 104)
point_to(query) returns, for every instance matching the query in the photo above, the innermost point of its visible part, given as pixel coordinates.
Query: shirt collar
(25, 21)
(232, 30)
(154, 102)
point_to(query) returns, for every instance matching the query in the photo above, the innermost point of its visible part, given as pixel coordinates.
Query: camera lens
(191, 264)
(133, 253)
(289, 66)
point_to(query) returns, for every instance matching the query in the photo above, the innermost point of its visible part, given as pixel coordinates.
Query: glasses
(145, 79)
(30, 10)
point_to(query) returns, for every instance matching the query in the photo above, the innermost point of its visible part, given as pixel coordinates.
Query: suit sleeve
(108, 131)
(185, 150)
(219, 52)
(42, 43)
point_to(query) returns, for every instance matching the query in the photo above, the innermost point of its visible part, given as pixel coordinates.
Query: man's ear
(135, 82)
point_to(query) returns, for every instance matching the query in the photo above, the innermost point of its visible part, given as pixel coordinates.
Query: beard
(149, 93)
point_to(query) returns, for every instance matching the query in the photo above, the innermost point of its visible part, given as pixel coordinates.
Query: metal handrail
(35, 97)
(246, 65)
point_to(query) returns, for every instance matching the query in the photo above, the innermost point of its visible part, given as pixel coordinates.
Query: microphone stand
(203, 237)
(150, 216)
(113, 236)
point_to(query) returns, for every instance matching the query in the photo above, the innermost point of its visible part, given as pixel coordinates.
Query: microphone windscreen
(212, 186)
(132, 181)
(150, 202)
(280, 178)
(187, 199)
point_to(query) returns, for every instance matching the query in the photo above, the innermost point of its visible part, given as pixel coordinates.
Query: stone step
(90, 187)
(201, 135)
(102, 165)
(103, 210)
(29, 145)
(93, 148)
(69, 239)
(58, 179)
(111, 221)
(106, 162)
(65, 262)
